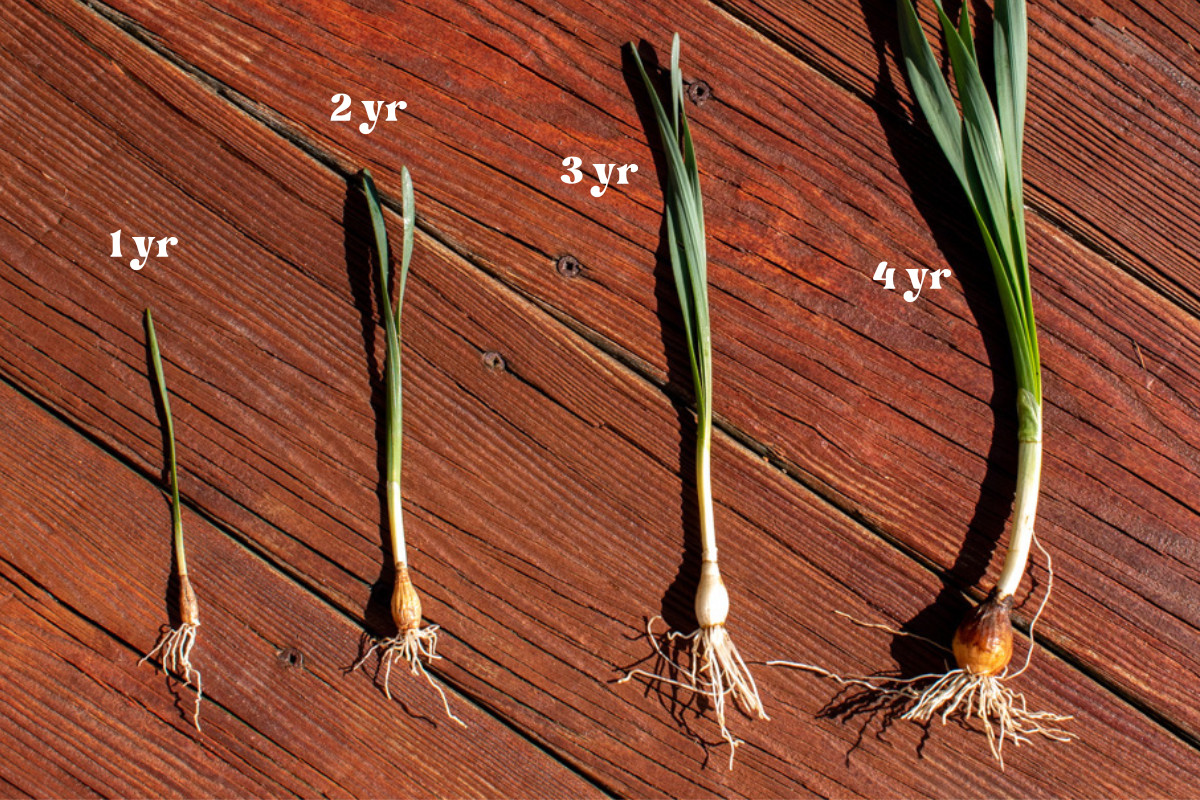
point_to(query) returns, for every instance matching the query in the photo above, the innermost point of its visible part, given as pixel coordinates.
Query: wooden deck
(865, 454)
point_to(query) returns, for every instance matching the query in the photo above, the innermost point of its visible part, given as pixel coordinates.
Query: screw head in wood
(568, 266)
(291, 658)
(699, 92)
(493, 361)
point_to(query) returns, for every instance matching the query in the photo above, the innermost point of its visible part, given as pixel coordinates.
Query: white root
(715, 670)
(988, 699)
(1003, 711)
(410, 645)
(174, 649)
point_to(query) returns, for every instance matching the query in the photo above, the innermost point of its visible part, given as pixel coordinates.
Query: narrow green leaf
(1024, 353)
(964, 28)
(685, 134)
(687, 303)
(685, 227)
(409, 210)
(1010, 278)
(930, 89)
(391, 317)
(983, 147)
(983, 132)
(1011, 52)
(160, 382)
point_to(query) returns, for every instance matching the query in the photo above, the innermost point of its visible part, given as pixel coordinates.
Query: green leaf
(391, 318)
(1011, 52)
(160, 382)
(983, 146)
(930, 89)
(408, 205)
(685, 228)
(983, 132)
(964, 28)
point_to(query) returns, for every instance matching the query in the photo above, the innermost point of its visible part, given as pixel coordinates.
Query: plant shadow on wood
(858, 702)
(942, 204)
(356, 222)
(676, 608)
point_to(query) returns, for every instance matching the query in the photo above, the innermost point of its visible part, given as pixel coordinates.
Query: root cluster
(410, 646)
(1003, 711)
(174, 650)
(714, 670)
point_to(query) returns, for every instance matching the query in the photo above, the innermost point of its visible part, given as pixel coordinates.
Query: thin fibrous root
(1003, 711)
(174, 649)
(715, 670)
(987, 698)
(894, 631)
(410, 645)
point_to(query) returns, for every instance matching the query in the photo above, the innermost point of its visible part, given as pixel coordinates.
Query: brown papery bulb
(189, 609)
(983, 642)
(406, 605)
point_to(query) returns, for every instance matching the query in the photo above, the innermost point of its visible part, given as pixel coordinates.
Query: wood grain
(529, 487)
(1112, 139)
(479, 597)
(281, 715)
(899, 414)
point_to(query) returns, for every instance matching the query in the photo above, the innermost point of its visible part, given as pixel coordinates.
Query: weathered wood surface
(792, 153)
(1111, 135)
(545, 504)
(83, 582)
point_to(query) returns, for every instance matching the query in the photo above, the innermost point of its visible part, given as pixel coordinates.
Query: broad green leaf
(930, 89)
(983, 133)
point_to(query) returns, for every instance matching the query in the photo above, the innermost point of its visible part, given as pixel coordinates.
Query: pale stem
(712, 598)
(708, 529)
(1029, 475)
(396, 523)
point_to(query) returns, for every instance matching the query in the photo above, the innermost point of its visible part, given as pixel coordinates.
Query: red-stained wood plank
(85, 567)
(518, 613)
(91, 725)
(898, 413)
(529, 487)
(1112, 138)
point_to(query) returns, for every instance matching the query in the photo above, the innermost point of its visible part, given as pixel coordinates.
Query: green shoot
(716, 669)
(412, 642)
(175, 644)
(983, 146)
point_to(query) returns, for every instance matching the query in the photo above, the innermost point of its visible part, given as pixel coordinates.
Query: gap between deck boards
(71, 609)
(1089, 243)
(284, 571)
(618, 355)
